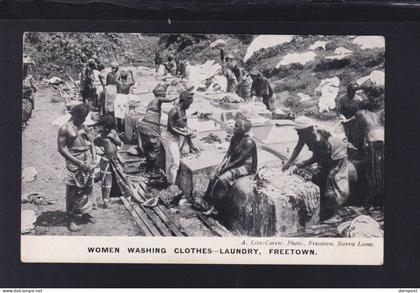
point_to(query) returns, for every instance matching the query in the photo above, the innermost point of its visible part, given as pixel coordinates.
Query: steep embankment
(295, 65)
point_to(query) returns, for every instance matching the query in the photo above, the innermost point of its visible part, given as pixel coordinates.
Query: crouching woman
(329, 152)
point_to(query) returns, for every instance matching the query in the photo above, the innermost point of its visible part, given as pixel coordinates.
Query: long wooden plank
(150, 225)
(157, 223)
(207, 224)
(219, 228)
(158, 211)
(139, 221)
(168, 222)
(155, 219)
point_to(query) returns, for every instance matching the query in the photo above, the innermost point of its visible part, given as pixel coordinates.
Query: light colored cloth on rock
(365, 227)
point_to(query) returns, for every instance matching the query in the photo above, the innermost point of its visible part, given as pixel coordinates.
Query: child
(108, 140)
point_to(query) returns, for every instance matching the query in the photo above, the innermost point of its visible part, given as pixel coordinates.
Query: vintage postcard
(202, 148)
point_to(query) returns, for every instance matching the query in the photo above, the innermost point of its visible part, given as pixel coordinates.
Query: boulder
(251, 213)
(274, 204)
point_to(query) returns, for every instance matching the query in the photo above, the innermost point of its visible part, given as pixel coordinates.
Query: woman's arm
(296, 151)
(308, 162)
(133, 81)
(113, 135)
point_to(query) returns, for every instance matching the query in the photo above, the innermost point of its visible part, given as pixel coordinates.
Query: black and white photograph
(205, 136)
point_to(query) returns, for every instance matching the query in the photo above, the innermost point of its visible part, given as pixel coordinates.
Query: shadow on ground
(52, 218)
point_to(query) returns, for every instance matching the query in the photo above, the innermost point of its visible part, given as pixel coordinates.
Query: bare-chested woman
(373, 149)
(241, 159)
(75, 144)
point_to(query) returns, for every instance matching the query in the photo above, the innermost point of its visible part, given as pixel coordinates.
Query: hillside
(295, 66)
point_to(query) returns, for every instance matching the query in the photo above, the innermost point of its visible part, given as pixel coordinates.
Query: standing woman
(347, 106)
(28, 88)
(177, 136)
(157, 61)
(232, 82)
(75, 144)
(244, 81)
(373, 149)
(149, 129)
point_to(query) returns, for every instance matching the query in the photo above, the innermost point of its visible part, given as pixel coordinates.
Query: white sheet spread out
(266, 41)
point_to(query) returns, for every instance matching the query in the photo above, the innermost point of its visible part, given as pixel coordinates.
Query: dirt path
(39, 150)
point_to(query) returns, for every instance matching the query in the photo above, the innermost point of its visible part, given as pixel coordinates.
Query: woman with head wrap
(148, 128)
(177, 136)
(330, 153)
(241, 160)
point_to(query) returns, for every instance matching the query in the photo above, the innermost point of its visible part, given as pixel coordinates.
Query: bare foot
(73, 227)
(210, 212)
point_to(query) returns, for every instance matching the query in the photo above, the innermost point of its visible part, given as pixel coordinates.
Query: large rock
(251, 213)
(274, 204)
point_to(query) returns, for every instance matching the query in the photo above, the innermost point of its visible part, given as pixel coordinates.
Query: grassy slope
(289, 80)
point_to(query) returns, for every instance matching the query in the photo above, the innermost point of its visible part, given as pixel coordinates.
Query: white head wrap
(303, 122)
